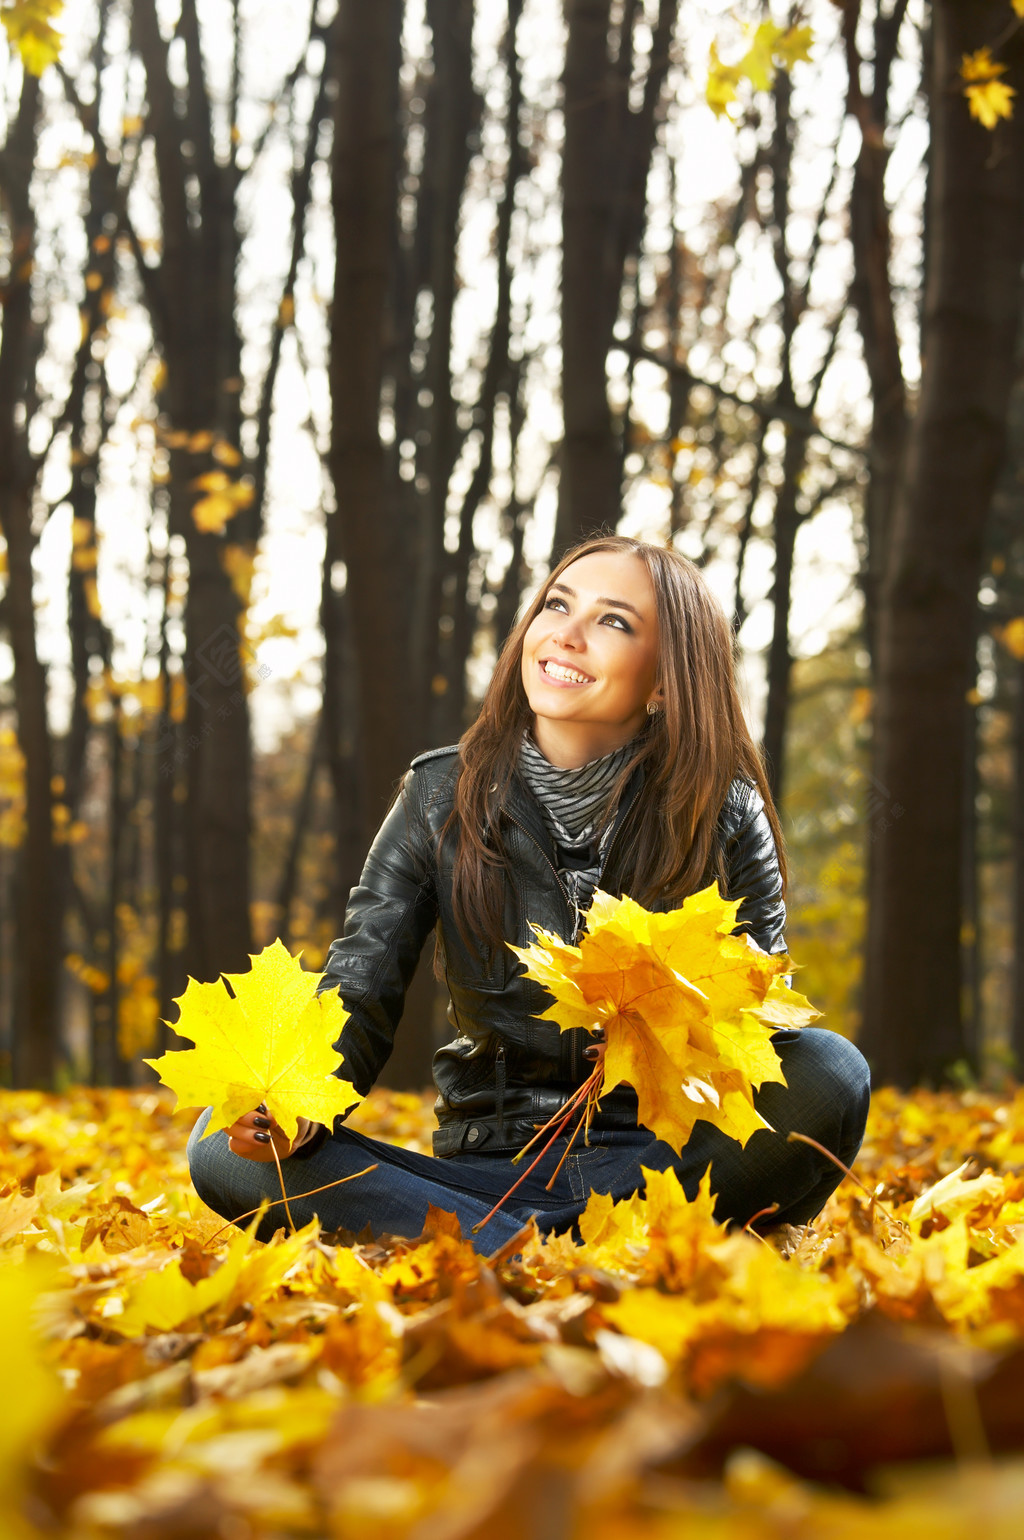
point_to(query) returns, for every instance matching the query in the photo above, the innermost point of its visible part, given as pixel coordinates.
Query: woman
(610, 749)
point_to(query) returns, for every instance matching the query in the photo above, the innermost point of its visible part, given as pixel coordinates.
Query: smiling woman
(610, 749)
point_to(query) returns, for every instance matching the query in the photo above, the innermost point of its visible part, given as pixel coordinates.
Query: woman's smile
(563, 673)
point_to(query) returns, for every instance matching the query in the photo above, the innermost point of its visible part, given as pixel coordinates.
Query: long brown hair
(691, 751)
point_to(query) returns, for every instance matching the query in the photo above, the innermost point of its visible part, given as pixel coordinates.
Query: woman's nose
(568, 634)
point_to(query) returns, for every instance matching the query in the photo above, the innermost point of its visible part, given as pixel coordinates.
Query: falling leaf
(269, 1040)
(687, 1008)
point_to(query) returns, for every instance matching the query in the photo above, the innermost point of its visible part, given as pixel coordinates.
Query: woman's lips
(557, 673)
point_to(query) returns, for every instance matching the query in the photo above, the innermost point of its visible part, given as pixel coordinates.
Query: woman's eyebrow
(619, 604)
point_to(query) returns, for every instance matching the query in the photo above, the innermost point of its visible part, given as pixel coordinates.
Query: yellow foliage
(223, 500)
(173, 1376)
(988, 97)
(30, 25)
(34, 1397)
(94, 979)
(1012, 636)
(770, 48)
(176, 1376)
(989, 101)
(225, 453)
(12, 790)
(138, 1014)
(269, 1041)
(686, 1007)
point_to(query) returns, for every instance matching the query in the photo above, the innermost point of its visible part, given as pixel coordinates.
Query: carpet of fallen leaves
(166, 1377)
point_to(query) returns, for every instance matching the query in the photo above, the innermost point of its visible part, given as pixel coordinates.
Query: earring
(653, 708)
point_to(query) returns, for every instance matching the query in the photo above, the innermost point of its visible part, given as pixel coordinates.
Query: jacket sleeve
(752, 868)
(390, 913)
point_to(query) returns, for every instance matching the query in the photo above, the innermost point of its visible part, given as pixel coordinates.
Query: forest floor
(167, 1377)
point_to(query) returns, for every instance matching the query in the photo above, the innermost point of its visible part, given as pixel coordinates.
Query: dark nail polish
(258, 1122)
(261, 1137)
(262, 1107)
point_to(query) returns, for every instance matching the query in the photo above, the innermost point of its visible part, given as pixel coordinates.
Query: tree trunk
(35, 1042)
(871, 290)
(372, 537)
(605, 161)
(913, 1023)
(196, 327)
(588, 491)
(501, 378)
(780, 661)
(451, 112)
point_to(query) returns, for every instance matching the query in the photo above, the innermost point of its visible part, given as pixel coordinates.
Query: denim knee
(831, 1077)
(203, 1163)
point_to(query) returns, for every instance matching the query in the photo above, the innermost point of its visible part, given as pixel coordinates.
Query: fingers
(255, 1136)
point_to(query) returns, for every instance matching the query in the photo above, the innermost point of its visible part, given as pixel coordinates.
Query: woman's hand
(251, 1136)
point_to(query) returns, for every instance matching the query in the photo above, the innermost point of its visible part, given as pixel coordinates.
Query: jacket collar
(521, 806)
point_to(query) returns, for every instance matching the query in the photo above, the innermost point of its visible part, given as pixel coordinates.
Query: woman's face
(590, 658)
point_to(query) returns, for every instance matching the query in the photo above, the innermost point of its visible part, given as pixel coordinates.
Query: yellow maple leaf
(720, 91)
(980, 66)
(165, 1298)
(269, 1040)
(30, 27)
(989, 101)
(770, 49)
(793, 47)
(687, 1008)
(757, 63)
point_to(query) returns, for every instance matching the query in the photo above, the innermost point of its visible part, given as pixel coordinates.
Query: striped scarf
(574, 804)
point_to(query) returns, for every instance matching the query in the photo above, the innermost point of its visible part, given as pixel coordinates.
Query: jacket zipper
(570, 908)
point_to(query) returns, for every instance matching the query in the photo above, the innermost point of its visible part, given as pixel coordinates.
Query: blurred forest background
(324, 328)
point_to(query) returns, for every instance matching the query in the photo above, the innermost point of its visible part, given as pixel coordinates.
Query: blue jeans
(826, 1096)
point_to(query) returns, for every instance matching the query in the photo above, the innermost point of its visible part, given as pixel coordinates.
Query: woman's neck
(568, 745)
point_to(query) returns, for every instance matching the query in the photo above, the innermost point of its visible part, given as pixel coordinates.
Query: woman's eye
(555, 604)
(618, 621)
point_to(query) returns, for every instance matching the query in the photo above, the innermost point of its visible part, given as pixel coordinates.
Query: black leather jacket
(505, 1072)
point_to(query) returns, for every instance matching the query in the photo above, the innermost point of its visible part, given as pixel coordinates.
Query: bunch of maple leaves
(167, 1376)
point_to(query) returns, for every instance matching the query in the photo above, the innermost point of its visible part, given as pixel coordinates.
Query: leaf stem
(272, 1202)
(559, 1120)
(280, 1177)
(561, 1116)
(822, 1150)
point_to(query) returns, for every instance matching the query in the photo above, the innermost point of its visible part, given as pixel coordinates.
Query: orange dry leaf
(687, 1008)
(269, 1041)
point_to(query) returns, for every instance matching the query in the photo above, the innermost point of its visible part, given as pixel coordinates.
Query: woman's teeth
(558, 672)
